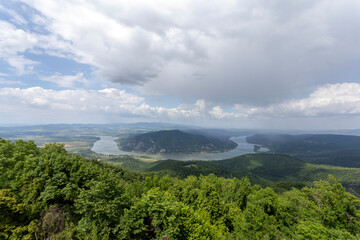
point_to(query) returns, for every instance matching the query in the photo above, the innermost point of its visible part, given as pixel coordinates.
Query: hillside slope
(330, 149)
(309, 145)
(263, 169)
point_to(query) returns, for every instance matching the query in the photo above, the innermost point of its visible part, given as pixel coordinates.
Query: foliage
(49, 194)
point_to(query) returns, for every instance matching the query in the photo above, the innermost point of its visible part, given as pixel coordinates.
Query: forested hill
(174, 141)
(341, 150)
(49, 194)
(264, 169)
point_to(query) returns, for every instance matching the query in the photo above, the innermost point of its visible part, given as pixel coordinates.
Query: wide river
(107, 145)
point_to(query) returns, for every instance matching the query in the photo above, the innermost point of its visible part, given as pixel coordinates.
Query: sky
(233, 63)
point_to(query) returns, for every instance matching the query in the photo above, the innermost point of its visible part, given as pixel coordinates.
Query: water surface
(107, 145)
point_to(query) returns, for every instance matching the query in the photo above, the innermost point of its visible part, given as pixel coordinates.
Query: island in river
(174, 141)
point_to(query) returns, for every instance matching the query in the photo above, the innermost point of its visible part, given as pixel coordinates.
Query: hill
(263, 169)
(332, 149)
(174, 141)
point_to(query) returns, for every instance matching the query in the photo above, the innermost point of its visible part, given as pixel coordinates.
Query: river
(107, 145)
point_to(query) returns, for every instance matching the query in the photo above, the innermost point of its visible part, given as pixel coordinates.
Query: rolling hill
(331, 149)
(263, 169)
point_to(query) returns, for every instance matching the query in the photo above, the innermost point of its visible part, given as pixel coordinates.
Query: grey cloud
(255, 52)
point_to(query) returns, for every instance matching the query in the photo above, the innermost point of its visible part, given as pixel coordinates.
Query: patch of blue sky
(23, 17)
(34, 81)
(5, 68)
(7, 8)
(348, 72)
(50, 65)
(23, 81)
(10, 80)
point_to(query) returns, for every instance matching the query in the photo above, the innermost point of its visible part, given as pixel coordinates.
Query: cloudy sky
(233, 63)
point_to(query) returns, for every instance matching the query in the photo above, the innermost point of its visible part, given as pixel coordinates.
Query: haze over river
(107, 145)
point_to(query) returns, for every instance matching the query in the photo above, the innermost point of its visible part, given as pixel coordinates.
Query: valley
(109, 187)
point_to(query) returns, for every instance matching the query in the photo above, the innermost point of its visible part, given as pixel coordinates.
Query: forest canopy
(47, 193)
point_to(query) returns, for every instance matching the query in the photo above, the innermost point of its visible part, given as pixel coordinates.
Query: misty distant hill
(334, 149)
(175, 141)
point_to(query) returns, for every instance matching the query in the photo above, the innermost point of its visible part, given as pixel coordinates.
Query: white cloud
(107, 102)
(37, 104)
(68, 81)
(14, 42)
(250, 52)
(219, 113)
(328, 100)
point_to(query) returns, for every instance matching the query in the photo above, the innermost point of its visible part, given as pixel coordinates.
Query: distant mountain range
(175, 141)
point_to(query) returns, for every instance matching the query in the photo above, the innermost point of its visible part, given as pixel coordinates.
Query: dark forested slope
(309, 145)
(340, 150)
